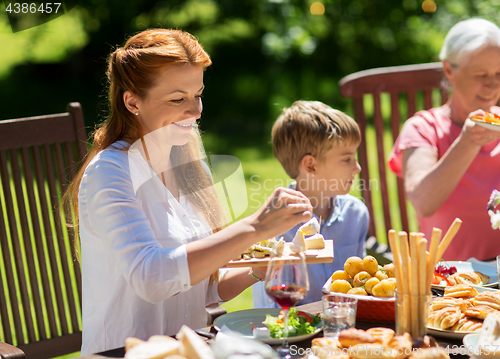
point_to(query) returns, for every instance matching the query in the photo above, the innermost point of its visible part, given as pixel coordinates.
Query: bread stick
(422, 283)
(452, 231)
(414, 257)
(405, 287)
(393, 242)
(435, 239)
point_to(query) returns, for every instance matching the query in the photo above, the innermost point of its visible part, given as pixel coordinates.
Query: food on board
(301, 243)
(264, 249)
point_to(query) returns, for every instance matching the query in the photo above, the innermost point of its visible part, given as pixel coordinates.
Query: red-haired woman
(149, 219)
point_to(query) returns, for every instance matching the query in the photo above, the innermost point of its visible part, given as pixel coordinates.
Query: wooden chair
(40, 285)
(415, 86)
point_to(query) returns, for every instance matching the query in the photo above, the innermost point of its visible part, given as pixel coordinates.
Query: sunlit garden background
(266, 54)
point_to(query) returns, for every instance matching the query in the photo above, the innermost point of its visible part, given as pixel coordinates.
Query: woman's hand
(476, 135)
(284, 209)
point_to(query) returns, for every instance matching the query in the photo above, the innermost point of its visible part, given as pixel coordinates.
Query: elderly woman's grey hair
(466, 37)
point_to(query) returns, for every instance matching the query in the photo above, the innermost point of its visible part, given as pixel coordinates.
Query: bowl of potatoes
(372, 284)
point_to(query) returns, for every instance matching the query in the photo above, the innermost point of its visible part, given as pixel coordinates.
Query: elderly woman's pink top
(468, 201)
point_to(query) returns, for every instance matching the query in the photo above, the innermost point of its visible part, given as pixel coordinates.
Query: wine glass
(287, 283)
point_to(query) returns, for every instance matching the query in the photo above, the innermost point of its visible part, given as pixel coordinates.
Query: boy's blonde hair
(310, 128)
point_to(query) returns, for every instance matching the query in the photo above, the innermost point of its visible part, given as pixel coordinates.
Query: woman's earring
(137, 113)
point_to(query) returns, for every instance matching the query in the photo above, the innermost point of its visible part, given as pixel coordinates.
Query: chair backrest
(415, 87)
(40, 285)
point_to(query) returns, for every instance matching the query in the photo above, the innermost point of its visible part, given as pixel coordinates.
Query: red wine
(286, 296)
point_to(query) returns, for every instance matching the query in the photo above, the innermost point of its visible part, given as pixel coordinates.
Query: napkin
(232, 345)
(488, 264)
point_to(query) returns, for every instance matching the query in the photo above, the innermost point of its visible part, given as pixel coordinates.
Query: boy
(316, 145)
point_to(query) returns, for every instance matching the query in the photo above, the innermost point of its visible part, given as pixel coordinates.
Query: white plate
(244, 320)
(489, 126)
(470, 343)
(446, 333)
(467, 267)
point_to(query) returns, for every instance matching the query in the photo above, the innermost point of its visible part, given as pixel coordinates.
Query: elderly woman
(449, 163)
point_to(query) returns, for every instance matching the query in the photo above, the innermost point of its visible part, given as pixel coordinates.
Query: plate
(478, 267)
(489, 126)
(244, 320)
(447, 333)
(470, 343)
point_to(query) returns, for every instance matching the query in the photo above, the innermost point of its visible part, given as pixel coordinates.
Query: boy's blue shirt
(348, 227)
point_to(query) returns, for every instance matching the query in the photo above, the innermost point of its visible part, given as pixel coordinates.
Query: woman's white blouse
(133, 236)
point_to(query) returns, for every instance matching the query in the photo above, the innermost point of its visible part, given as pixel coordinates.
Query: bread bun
(193, 346)
(353, 336)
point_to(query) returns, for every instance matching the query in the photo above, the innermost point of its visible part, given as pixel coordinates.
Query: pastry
(472, 277)
(444, 318)
(399, 346)
(368, 351)
(382, 335)
(488, 298)
(331, 342)
(467, 325)
(328, 348)
(460, 290)
(443, 302)
(353, 336)
(479, 312)
(429, 353)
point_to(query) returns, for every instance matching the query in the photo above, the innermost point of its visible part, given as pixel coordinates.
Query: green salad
(299, 323)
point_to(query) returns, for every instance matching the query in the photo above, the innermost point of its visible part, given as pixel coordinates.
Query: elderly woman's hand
(475, 134)
(284, 209)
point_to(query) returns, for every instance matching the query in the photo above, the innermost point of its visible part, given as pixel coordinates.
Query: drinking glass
(339, 313)
(287, 283)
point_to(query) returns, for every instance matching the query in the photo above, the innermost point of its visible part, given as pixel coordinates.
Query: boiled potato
(370, 283)
(384, 289)
(389, 270)
(393, 281)
(340, 286)
(381, 275)
(360, 279)
(340, 274)
(358, 291)
(353, 265)
(370, 265)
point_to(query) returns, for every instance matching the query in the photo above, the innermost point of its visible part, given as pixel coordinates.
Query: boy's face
(335, 173)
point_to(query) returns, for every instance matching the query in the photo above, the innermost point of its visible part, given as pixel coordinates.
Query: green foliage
(266, 53)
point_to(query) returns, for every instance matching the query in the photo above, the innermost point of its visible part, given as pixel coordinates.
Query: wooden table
(313, 308)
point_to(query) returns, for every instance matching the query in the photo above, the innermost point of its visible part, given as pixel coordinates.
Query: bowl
(370, 309)
(472, 348)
